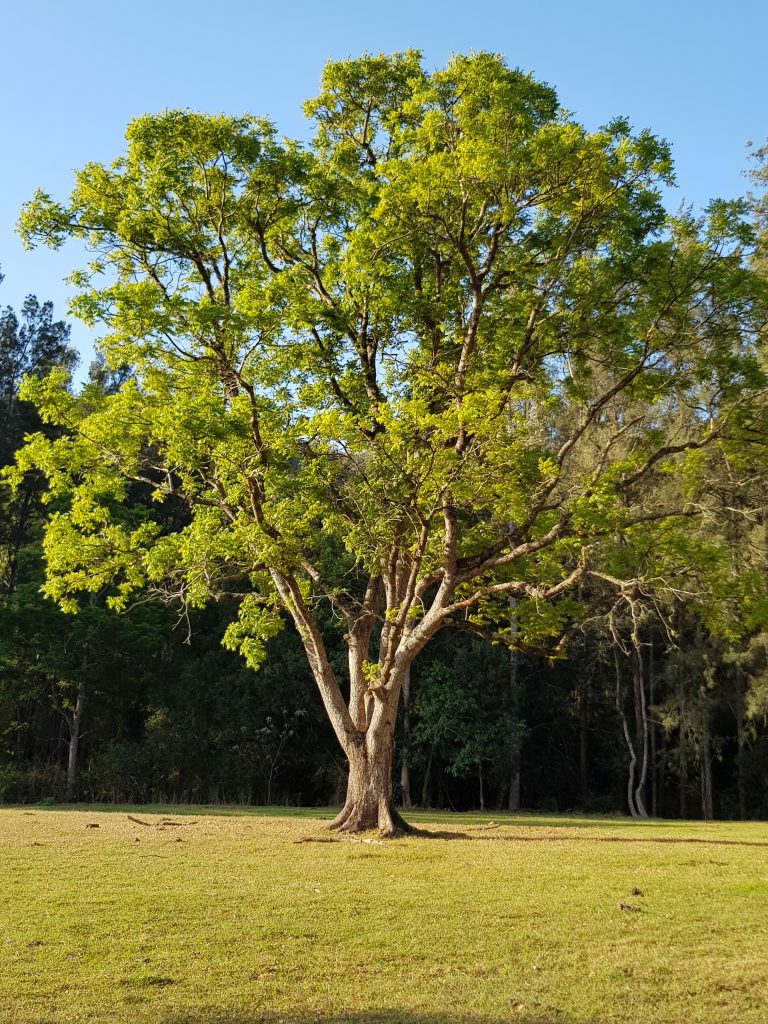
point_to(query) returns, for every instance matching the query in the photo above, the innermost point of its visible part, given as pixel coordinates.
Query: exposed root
(353, 819)
(342, 816)
(392, 824)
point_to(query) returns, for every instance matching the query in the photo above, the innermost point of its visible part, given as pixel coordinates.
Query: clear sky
(74, 72)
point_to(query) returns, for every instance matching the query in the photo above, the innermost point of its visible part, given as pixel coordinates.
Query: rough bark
(369, 803)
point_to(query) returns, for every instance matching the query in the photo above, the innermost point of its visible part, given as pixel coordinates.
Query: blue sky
(72, 74)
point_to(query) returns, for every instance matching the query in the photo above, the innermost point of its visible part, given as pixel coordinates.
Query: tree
(368, 366)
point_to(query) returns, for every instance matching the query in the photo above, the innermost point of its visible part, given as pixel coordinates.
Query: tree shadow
(384, 1016)
(518, 838)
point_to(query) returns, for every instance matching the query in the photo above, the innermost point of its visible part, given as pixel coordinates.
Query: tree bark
(369, 803)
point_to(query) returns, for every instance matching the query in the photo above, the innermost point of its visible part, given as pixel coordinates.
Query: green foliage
(312, 328)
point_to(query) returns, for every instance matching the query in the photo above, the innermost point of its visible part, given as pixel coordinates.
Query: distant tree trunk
(641, 726)
(480, 784)
(425, 784)
(405, 775)
(74, 720)
(683, 729)
(627, 737)
(740, 751)
(583, 744)
(683, 753)
(707, 803)
(652, 730)
(514, 685)
(661, 778)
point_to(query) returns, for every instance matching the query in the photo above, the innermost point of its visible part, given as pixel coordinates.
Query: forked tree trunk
(369, 803)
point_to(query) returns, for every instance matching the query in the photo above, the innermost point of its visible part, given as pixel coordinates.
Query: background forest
(145, 706)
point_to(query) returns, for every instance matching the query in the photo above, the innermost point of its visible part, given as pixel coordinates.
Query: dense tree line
(169, 715)
(440, 421)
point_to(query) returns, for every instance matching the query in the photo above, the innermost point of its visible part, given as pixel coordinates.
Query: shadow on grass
(665, 840)
(216, 1016)
(455, 825)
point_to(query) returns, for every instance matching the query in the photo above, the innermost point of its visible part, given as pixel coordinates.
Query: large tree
(369, 365)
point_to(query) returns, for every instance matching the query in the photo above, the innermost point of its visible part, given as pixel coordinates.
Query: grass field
(202, 916)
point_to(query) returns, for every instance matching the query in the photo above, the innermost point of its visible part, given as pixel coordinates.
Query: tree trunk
(405, 773)
(652, 729)
(683, 750)
(480, 784)
(74, 721)
(627, 737)
(583, 744)
(425, 786)
(369, 802)
(740, 750)
(707, 804)
(641, 726)
(514, 685)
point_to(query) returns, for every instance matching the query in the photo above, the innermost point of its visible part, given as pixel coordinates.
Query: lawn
(219, 916)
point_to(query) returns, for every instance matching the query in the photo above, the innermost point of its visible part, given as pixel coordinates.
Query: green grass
(218, 916)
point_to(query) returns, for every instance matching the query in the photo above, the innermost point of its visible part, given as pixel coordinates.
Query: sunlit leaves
(455, 297)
